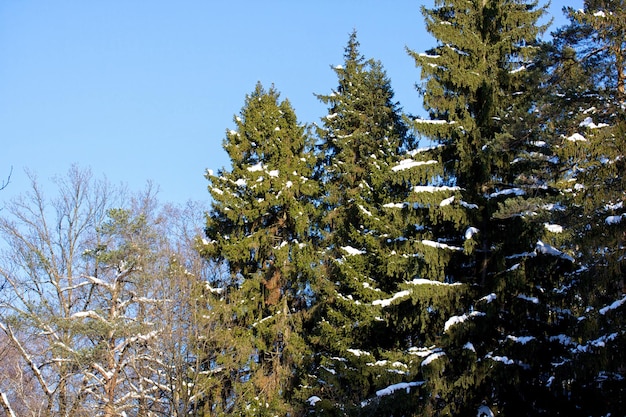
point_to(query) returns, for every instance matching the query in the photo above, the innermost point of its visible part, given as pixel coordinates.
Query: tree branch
(8, 180)
(4, 402)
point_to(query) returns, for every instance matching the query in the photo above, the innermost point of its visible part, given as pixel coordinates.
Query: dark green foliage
(480, 275)
(260, 227)
(584, 104)
(478, 91)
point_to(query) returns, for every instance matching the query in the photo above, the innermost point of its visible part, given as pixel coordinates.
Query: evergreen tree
(372, 216)
(492, 354)
(260, 228)
(584, 108)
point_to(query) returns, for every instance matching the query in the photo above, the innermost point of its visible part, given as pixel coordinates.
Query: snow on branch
(454, 320)
(387, 302)
(432, 188)
(88, 314)
(506, 360)
(434, 122)
(439, 245)
(433, 356)
(422, 281)
(546, 249)
(352, 251)
(395, 387)
(613, 306)
(99, 282)
(410, 163)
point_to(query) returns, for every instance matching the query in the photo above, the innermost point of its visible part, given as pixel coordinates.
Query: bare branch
(4, 401)
(7, 181)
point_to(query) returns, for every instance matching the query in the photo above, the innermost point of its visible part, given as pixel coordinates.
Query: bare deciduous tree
(95, 303)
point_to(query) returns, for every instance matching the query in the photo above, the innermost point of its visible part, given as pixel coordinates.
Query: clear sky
(145, 90)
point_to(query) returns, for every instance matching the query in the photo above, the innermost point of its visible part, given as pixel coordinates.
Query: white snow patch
(470, 206)
(439, 245)
(313, 400)
(432, 188)
(353, 251)
(394, 205)
(576, 137)
(256, 167)
(469, 346)
(446, 202)
(358, 352)
(588, 122)
(508, 191)
(423, 352)
(364, 210)
(88, 314)
(528, 298)
(549, 250)
(613, 306)
(273, 173)
(554, 228)
(387, 302)
(212, 289)
(615, 206)
(432, 357)
(241, 182)
(488, 298)
(521, 339)
(410, 163)
(470, 232)
(614, 219)
(513, 268)
(460, 319)
(395, 387)
(422, 281)
(505, 360)
(434, 122)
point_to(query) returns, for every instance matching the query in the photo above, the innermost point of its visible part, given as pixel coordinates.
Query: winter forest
(372, 263)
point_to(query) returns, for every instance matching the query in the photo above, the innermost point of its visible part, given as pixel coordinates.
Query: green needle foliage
(480, 275)
(260, 227)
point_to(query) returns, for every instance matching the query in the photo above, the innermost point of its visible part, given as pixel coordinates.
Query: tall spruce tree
(493, 354)
(360, 138)
(583, 105)
(377, 198)
(259, 226)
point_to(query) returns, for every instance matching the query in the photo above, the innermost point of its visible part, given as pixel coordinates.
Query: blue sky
(145, 90)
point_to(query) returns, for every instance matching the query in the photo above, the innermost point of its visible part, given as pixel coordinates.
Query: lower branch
(4, 401)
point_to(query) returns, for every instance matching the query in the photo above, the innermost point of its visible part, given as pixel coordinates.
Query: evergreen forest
(372, 263)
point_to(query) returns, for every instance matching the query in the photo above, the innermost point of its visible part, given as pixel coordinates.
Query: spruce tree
(584, 109)
(360, 141)
(259, 227)
(492, 354)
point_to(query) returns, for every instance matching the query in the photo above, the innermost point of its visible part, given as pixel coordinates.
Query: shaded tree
(478, 92)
